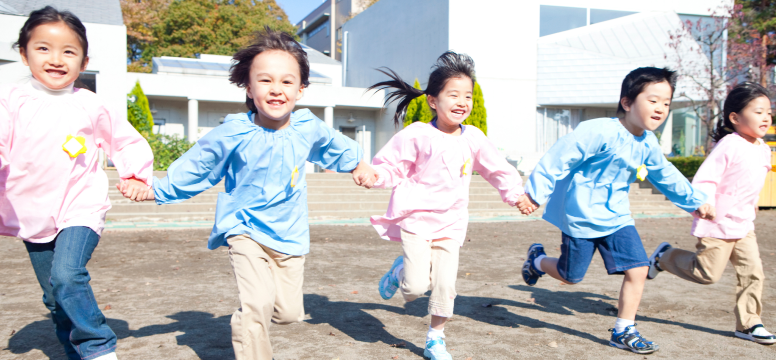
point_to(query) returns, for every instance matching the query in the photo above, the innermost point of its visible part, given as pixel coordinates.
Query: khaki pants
(269, 285)
(430, 265)
(707, 264)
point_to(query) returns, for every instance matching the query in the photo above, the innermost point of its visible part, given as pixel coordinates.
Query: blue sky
(298, 9)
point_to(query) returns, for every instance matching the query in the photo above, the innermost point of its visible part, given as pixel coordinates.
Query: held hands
(364, 175)
(526, 205)
(135, 190)
(706, 212)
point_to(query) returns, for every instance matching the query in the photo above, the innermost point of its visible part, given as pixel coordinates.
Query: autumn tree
(751, 31)
(187, 28)
(139, 17)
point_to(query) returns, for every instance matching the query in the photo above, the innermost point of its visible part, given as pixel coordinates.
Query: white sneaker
(111, 356)
(757, 334)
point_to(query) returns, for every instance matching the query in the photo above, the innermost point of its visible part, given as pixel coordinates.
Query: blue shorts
(621, 250)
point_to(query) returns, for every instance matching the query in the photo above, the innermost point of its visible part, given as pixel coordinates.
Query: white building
(105, 31)
(189, 97)
(543, 65)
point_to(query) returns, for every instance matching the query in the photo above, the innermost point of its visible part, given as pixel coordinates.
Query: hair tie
(728, 129)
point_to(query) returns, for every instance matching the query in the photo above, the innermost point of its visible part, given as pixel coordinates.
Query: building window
(87, 81)
(318, 29)
(601, 15)
(554, 19)
(349, 131)
(553, 124)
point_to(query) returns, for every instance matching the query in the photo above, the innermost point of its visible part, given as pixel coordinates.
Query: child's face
(54, 55)
(649, 110)
(454, 103)
(275, 86)
(753, 121)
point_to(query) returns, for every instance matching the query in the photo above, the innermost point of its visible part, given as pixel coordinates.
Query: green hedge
(687, 165)
(167, 149)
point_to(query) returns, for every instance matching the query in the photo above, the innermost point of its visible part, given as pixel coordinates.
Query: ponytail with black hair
(738, 98)
(448, 65)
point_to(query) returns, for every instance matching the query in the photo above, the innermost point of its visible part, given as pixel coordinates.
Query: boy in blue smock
(585, 178)
(261, 156)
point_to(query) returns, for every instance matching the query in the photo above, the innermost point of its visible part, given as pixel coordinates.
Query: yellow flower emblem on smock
(641, 172)
(294, 176)
(74, 145)
(466, 168)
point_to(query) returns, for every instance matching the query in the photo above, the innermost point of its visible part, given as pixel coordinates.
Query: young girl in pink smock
(732, 176)
(430, 168)
(53, 192)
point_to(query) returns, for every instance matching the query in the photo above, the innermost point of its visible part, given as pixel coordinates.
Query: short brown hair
(240, 71)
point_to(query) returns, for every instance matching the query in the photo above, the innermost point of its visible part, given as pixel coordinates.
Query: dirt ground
(171, 298)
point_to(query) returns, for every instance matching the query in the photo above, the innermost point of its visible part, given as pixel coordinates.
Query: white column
(328, 116)
(666, 137)
(193, 119)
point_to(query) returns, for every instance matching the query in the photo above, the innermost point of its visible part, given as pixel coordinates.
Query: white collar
(39, 87)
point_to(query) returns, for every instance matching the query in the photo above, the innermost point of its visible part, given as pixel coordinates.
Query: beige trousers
(269, 285)
(430, 265)
(707, 264)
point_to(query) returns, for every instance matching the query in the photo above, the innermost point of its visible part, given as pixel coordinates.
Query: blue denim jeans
(60, 267)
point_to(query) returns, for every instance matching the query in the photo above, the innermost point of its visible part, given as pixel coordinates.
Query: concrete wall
(505, 65)
(404, 35)
(107, 57)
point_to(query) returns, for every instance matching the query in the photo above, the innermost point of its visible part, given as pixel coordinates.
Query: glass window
(553, 124)
(349, 131)
(600, 15)
(554, 19)
(87, 81)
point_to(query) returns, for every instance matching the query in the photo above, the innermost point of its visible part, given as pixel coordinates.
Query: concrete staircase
(334, 196)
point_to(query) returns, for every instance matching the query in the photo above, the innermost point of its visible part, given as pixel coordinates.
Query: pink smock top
(732, 175)
(50, 173)
(430, 172)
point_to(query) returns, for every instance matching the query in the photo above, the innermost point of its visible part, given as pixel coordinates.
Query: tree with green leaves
(187, 28)
(138, 111)
(418, 109)
(479, 114)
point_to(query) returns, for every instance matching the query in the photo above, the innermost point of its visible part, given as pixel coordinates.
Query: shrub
(138, 111)
(167, 149)
(418, 109)
(478, 116)
(687, 165)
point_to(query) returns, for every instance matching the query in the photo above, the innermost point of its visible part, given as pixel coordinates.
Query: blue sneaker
(530, 273)
(436, 350)
(389, 283)
(630, 339)
(654, 268)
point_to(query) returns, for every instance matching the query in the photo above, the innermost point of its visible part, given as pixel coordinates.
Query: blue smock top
(586, 176)
(264, 171)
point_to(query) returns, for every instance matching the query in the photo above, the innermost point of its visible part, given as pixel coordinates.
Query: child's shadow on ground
(351, 319)
(210, 337)
(563, 302)
(488, 311)
(40, 335)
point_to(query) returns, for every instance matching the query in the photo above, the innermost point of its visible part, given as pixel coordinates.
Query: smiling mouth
(56, 73)
(656, 118)
(458, 112)
(276, 102)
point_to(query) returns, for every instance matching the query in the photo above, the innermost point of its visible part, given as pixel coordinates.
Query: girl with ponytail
(732, 176)
(430, 168)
